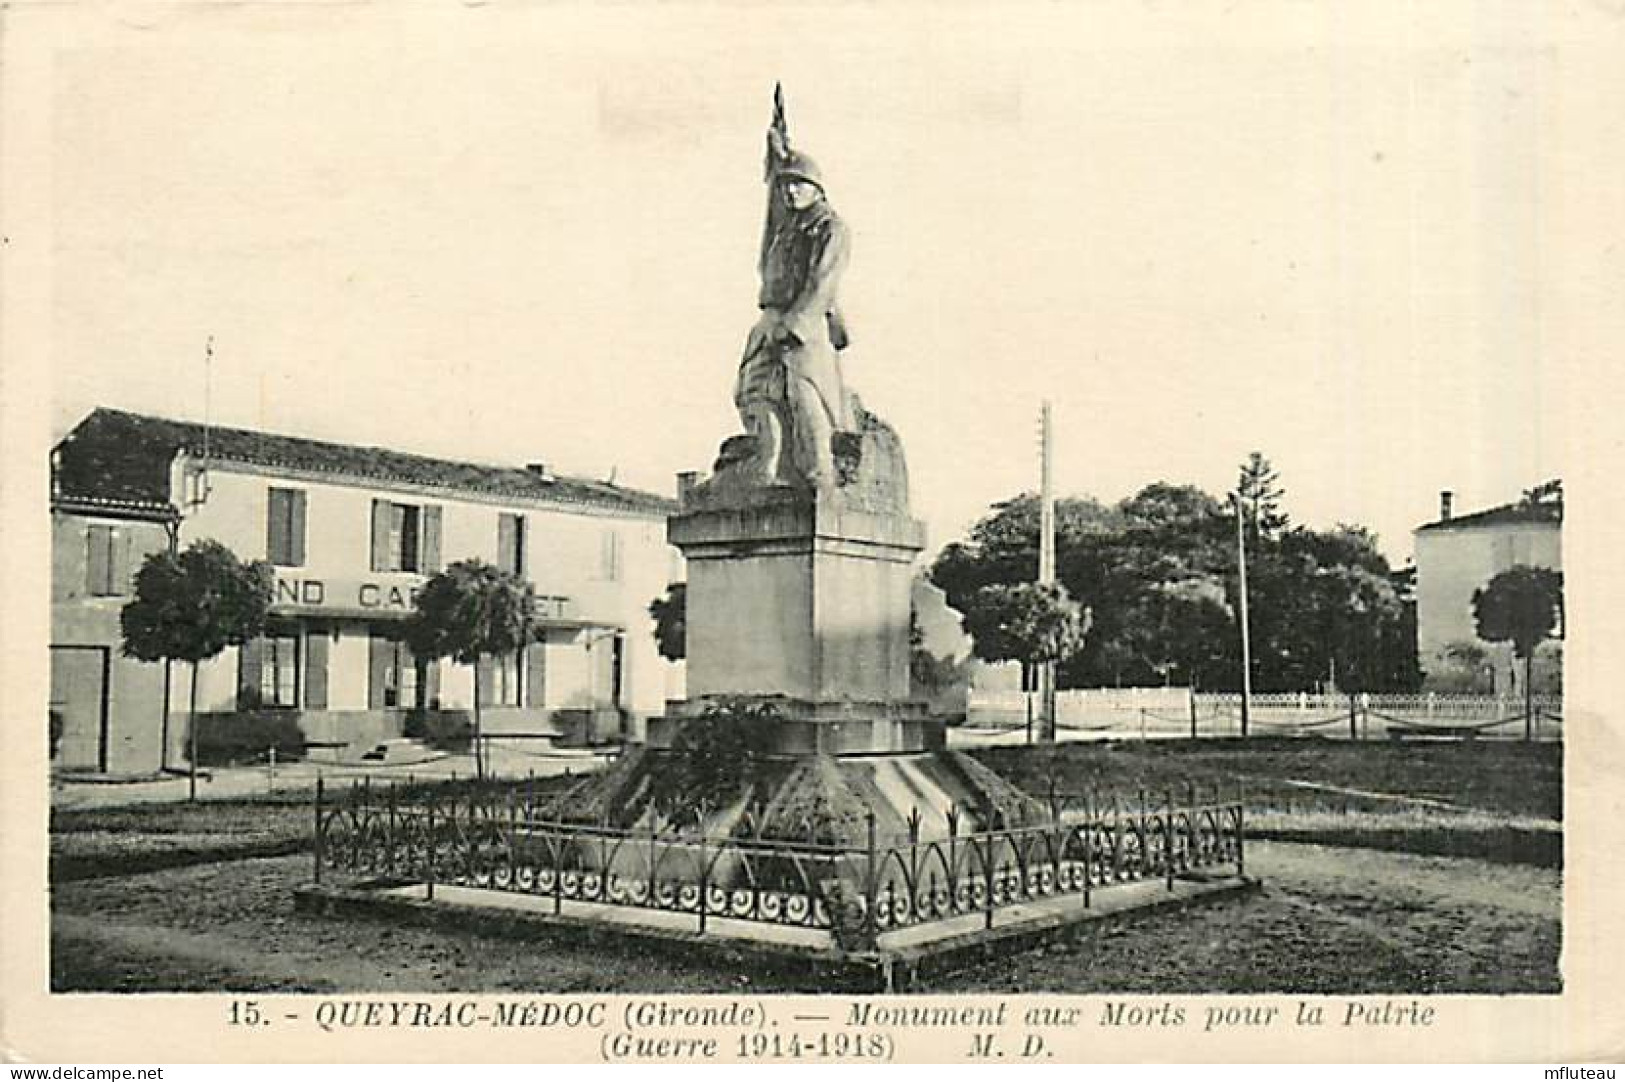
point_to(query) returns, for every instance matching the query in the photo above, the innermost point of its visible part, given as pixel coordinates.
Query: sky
(531, 235)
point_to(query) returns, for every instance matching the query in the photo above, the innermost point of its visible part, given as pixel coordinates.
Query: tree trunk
(163, 724)
(191, 735)
(1529, 696)
(1050, 727)
(479, 733)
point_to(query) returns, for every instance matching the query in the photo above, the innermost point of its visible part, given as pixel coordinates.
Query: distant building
(1458, 554)
(351, 532)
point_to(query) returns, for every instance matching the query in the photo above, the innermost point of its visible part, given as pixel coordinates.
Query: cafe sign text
(366, 597)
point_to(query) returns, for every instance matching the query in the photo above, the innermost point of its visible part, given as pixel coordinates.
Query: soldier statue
(790, 394)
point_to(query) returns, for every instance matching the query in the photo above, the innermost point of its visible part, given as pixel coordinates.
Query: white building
(1459, 554)
(351, 532)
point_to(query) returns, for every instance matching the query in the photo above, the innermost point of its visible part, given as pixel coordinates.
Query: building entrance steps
(398, 752)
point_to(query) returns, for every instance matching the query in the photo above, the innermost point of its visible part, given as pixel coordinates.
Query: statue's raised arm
(778, 136)
(778, 153)
(790, 393)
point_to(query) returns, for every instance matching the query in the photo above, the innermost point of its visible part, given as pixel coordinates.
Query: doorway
(79, 676)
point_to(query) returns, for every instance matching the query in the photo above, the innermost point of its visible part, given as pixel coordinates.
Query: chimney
(686, 481)
(540, 469)
(1446, 498)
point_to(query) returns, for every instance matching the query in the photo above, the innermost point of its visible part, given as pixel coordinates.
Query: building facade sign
(303, 595)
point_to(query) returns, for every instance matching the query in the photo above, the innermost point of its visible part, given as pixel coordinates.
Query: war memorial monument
(799, 801)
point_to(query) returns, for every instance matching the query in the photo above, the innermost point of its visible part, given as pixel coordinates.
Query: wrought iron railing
(493, 838)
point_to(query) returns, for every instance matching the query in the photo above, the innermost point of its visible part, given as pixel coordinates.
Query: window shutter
(98, 555)
(430, 552)
(507, 542)
(536, 675)
(118, 572)
(484, 680)
(296, 528)
(316, 669)
(276, 526)
(250, 663)
(380, 655)
(381, 556)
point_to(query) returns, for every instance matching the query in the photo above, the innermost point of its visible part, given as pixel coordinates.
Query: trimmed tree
(189, 607)
(1034, 623)
(1521, 605)
(469, 611)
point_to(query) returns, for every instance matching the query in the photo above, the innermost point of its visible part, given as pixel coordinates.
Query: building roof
(1539, 512)
(115, 458)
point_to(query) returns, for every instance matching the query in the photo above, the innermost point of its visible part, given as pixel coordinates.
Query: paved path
(239, 782)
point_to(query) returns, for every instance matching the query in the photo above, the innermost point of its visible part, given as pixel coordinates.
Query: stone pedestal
(803, 598)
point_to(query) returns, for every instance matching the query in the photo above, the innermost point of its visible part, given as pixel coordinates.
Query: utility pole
(1046, 556)
(203, 486)
(1246, 645)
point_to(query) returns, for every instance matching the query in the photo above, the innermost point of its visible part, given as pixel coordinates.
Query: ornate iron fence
(491, 838)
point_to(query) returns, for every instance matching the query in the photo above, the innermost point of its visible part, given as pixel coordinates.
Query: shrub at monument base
(714, 753)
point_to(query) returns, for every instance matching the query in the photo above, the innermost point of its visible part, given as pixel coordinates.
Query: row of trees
(1158, 573)
(189, 606)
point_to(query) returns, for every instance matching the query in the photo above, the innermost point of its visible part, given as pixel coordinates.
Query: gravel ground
(1330, 920)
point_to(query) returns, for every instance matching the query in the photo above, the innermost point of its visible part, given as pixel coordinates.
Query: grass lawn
(1499, 801)
(96, 842)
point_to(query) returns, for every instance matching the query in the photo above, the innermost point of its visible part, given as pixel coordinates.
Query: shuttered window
(285, 527)
(500, 679)
(279, 671)
(507, 676)
(511, 544)
(268, 672)
(405, 537)
(107, 561)
(401, 682)
(394, 675)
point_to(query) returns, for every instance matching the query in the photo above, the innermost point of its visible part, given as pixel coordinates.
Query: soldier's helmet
(798, 166)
